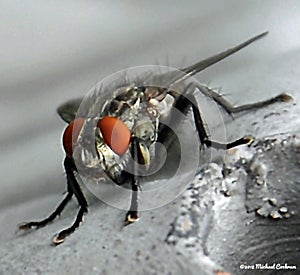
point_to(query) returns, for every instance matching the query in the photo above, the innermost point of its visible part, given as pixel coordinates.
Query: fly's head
(128, 115)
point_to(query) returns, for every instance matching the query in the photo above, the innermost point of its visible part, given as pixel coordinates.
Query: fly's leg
(74, 186)
(184, 104)
(50, 218)
(230, 109)
(132, 214)
(204, 138)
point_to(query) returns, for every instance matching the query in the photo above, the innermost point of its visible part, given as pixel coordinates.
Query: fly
(128, 125)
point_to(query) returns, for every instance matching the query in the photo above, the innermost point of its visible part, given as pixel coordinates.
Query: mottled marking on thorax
(131, 105)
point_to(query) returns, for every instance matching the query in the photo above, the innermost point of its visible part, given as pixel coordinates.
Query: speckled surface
(246, 210)
(102, 245)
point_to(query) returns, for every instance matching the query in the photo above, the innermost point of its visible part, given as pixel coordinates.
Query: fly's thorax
(129, 102)
(126, 99)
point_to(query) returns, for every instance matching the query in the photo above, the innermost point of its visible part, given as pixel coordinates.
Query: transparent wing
(183, 73)
(68, 110)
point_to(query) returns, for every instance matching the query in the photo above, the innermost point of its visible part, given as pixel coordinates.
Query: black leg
(74, 186)
(50, 218)
(60, 237)
(185, 103)
(230, 109)
(132, 214)
(204, 137)
(224, 146)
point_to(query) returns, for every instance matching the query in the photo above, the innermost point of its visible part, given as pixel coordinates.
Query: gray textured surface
(52, 52)
(213, 220)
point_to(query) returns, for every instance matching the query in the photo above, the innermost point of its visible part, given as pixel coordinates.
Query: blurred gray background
(52, 51)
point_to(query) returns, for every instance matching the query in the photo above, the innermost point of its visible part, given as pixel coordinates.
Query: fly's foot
(284, 98)
(247, 140)
(131, 217)
(29, 225)
(25, 226)
(242, 141)
(60, 237)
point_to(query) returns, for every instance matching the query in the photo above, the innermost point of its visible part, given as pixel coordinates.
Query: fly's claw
(59, 238)
(248, 140)
(284, 98)
(26, 226)
(131, 217)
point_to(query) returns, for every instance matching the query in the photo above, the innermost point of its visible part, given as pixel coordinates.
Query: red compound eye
(115, 133)
(71, 135)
